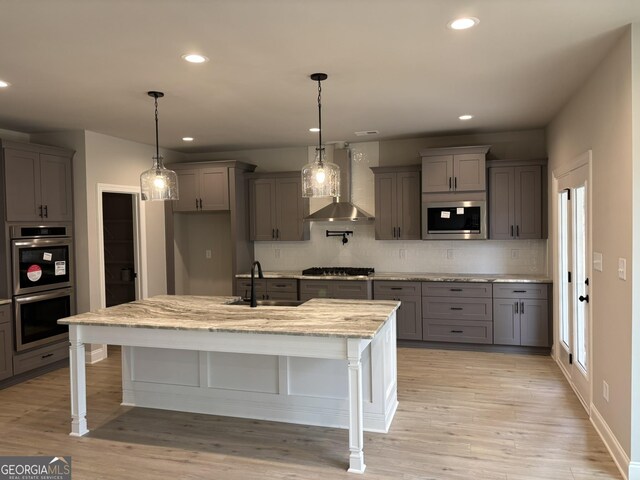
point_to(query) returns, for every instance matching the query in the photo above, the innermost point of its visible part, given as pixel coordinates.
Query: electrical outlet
(597, 261)
(605, 390)
(276, 253)
(207, 253)
(402, 254)
(515, 253)
(450, 254)
(622, 268)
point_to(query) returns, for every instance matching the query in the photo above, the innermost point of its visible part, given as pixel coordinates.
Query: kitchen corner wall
(436, 256)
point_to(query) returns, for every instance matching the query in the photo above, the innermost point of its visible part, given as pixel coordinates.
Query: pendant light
(320, 178)
(158, 183)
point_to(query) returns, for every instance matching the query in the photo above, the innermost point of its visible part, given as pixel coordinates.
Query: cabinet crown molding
(432, 152)
(248, 167)
(399, 168)
(34, 147)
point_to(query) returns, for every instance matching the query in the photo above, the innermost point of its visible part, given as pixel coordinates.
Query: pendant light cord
(157, 142)
(320, 121)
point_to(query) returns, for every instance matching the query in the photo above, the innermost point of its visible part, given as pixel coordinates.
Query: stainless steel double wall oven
(42, 273)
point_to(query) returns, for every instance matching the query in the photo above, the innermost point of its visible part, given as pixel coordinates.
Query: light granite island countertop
(326, 362)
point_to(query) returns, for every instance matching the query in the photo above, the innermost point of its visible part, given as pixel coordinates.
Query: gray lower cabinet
(409, 315)
(343, 289)
(6, 350)
(521, 315)
(457, 312)
(398, 200)
(515, 202)
(269, 288)
(40, 357)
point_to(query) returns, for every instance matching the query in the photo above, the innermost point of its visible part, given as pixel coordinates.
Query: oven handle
(34, 297)
(35, 242)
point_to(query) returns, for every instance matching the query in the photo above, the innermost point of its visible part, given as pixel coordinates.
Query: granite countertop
(414, 277)
(317, 317)
(4, 301)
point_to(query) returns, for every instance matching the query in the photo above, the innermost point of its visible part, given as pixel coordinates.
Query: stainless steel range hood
(339, 210)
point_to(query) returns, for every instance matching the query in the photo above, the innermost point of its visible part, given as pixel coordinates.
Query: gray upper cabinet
(277, 208)
(521, 315)
(397, 195)
(38, 184)
(515, 202)
(201, 188)
(457, 169)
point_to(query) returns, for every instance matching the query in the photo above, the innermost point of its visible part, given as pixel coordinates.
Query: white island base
(309, 391)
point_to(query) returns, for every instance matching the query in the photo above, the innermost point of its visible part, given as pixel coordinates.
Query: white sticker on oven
(34, 273)
(445, 214)
(46, 257)
(460, 211)
(61, 268)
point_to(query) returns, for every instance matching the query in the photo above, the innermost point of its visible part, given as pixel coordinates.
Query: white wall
(598, 117)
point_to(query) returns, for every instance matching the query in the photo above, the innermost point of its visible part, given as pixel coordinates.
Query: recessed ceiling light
(187, 139)
(194, 58)
(314, 129)
(465, 117)
(4, 84)
(463, 23)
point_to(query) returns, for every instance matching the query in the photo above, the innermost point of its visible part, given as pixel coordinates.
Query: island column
(78, 383)
(355, 346)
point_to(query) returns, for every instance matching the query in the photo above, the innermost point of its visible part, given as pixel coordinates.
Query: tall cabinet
(397, 194)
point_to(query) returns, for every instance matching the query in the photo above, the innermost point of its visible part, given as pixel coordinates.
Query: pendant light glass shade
(158, 183)
(320, 178)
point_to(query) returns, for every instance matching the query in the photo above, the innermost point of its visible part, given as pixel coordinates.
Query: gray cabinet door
(315, 289)
(501, 203)
(470, 173)
(6, 344)
(534, 323)
(506, 322)
(408, 316)
(352, 289)
(437, 174)
(408, 205)
(263, 209)
(56, 188)
(214, 188)
(22, 183)
(528, 202)
(289, 209)
(386, 208)
(188, 191)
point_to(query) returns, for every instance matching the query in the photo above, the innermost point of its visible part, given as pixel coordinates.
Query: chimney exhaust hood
(338, 210)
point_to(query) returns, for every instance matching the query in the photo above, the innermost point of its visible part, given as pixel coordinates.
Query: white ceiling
(393, 65)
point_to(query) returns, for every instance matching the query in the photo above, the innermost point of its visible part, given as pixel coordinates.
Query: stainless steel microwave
(458, 220)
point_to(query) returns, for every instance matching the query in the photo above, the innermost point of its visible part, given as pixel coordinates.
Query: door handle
(584, 299)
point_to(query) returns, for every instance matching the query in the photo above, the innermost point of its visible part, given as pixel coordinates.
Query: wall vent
(366, 133)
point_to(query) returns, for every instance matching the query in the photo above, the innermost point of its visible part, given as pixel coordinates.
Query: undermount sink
(269, 303)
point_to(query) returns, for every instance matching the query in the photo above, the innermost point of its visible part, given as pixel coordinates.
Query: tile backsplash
(432, 256)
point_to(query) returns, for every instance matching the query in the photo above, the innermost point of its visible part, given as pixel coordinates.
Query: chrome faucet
(254, 303)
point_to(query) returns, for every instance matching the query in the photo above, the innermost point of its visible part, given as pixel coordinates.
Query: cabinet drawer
(475, 309)
(354, 289)
(520, 290)
(282, 285)
(315, 289)
(281, 296)
(395, 288)
(456, 289)
(39, 358)
(455, 331)
(244, 287)
(5, 313)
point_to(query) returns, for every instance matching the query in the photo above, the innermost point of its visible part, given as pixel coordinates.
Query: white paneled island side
(326, 362)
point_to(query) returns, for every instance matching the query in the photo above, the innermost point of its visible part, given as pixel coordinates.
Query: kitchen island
(325, 362)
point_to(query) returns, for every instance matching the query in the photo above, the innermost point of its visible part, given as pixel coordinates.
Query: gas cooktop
(338, 271)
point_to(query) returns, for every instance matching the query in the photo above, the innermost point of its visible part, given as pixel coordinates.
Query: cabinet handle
(516, 307)
(455, 289)
(277, 233)
(399, 232)
(519, 291)
(396, 288)
(517, 230)
(456, 308)
(273, 233)
(449, 183)
(394, 232)
(455, 183)
(40, 207)
(512, 230)
(457, 331)
(46, 211)
(280, 285)
(196, 204)
(521, 307)
(47, 355)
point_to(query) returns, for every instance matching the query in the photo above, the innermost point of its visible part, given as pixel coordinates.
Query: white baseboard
(615, 449)
(95, 355)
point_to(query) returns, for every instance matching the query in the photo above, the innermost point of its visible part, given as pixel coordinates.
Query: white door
(574, 271)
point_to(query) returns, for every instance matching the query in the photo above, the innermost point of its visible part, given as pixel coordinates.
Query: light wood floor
(462, 416)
